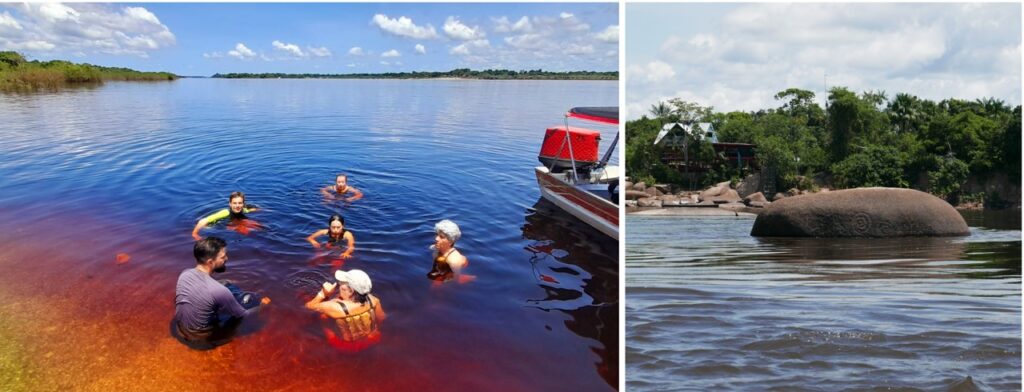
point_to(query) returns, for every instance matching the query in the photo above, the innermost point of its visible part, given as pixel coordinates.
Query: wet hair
(236, 194)
(341, 175)
(361, 298)
(336, 217)
(208, 248)
(448, 229)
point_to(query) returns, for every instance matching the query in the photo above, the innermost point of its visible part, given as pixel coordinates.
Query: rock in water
(861, 212)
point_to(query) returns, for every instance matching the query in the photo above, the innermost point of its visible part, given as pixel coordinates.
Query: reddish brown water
(98, 195)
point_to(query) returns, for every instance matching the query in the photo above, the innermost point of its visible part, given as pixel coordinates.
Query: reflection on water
(578, 268)
(709, 307)
(128, 168)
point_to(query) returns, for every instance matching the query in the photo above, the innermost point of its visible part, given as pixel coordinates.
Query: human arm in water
(207, 220)
(326, 191)
(351, 241)
(457, 261)
(318, 304)
(229, 305)
(356, 194)
(216, 216)
(312, 237)
(199, 226)
(378, 308)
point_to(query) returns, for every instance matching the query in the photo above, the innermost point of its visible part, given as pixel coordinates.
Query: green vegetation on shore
(857, 140)
(18, 74)
(461, 73)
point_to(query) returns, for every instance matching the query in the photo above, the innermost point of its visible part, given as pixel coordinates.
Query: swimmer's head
(341, 181)
(355, 279)
(211, 251)
(236, 201)
(447, 230)
(336, 225)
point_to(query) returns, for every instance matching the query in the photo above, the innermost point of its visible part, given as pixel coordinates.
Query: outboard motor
(554, 152)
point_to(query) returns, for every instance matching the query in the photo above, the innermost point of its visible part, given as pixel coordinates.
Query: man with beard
(236, 211)
(200, 301)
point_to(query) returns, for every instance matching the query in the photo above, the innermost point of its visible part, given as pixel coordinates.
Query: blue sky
(736, 56)
(203, 39)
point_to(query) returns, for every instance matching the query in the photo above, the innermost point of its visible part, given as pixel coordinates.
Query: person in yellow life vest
(448, 261)
(236, 210)
(357, 312)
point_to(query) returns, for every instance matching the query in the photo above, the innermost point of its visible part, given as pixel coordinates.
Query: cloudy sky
(737, 56)
(203, 39)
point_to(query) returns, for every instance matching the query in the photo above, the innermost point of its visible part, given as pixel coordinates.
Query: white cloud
(241, 52)
(653, 72)
(404, 27)
(421, 49)
(288, 48)
(610, 34)
(391, 53)
(456, 30)
(8, 22)
(83, 27)
(213, 55)
(933, 51)
(577, 49)
(503, 25)
(356, 51)
(565, 15)
(460, 50)
(351, 65)
(467, 48)
(319, 52)
(385, 63)
(526, 41)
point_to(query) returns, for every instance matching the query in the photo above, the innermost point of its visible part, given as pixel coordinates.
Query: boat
(573, 178)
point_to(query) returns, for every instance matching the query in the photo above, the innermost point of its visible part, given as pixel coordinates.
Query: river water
(708, 307)
(125, 169)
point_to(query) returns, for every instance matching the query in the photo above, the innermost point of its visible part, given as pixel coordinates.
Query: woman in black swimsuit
(335, 233)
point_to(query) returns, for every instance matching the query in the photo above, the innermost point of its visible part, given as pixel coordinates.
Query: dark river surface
(708, 307)
(127, 168)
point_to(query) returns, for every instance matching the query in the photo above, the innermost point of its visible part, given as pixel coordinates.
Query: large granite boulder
(729, 196)
(648, 202)
(633, 195)
(861, 212)
(755, 197)
(640, 186)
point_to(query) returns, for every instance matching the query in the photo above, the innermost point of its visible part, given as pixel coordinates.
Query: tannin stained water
(711, 308)
(101, 187)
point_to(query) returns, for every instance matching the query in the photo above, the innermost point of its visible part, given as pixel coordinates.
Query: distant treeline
(461, 73)
(18, 74)
(857, 140)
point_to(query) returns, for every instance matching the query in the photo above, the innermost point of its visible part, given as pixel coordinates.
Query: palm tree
(661, 110)
(906, 111)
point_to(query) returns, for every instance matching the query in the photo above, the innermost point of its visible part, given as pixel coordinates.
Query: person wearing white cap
(448, 261)
(357, 312)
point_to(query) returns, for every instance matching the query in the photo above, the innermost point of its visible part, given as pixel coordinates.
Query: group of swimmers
(207, 310)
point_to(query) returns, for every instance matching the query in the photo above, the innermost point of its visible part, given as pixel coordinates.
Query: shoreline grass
(19, 75)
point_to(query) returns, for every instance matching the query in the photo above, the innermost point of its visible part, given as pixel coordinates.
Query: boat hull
(593, 210)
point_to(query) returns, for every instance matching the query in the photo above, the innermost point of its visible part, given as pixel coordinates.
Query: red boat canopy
(607, 114)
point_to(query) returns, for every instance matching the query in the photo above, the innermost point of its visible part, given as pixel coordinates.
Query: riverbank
(20, 75)
(455, 74)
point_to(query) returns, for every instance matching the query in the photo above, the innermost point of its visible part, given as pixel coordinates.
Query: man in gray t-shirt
(199, 300)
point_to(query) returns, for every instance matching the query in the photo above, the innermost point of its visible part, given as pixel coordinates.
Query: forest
(857, 140)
